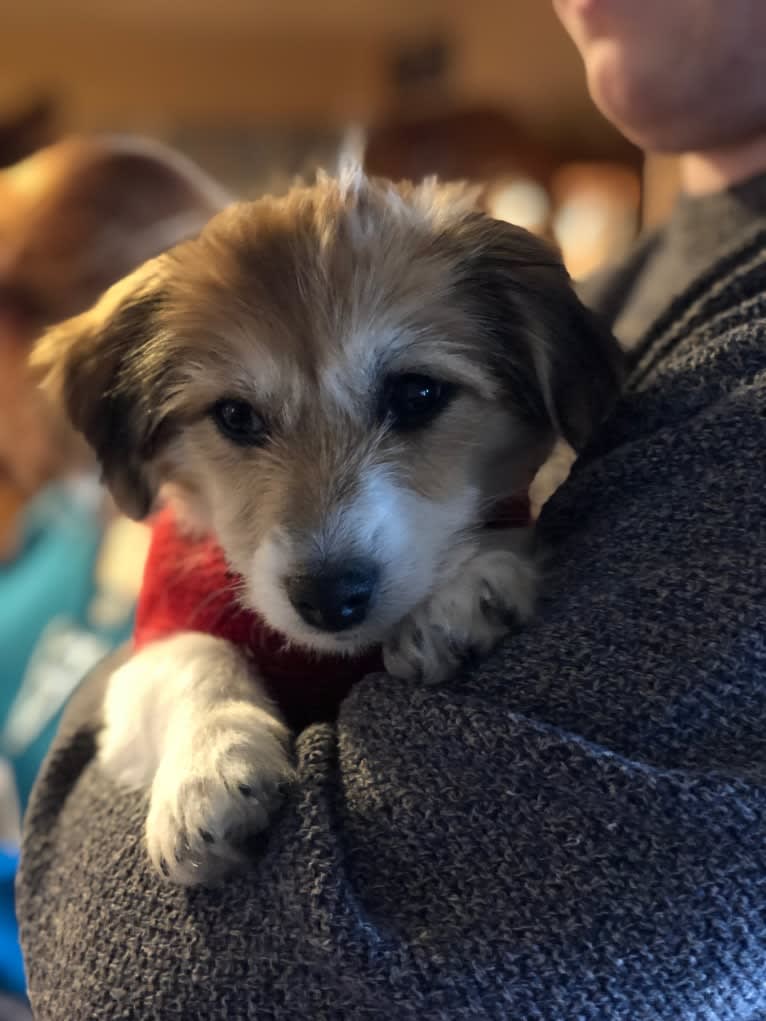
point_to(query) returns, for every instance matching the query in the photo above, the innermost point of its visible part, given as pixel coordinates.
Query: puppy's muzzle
(335, 597)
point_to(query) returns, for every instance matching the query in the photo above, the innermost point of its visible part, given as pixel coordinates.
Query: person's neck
(703, 173)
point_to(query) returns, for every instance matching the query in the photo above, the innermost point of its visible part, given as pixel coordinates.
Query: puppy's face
(340, 383)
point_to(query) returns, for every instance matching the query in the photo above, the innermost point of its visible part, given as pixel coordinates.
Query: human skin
(683, 77)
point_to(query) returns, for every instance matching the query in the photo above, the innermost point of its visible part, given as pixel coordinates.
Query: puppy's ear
(98, 368)
(562, 366)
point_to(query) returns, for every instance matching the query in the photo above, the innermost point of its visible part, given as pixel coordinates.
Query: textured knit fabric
(666, 262)
(574, 831)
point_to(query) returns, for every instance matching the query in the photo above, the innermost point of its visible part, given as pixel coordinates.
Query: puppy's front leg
(487, 589)
(186, 719)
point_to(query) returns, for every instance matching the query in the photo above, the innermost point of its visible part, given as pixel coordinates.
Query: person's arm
(575, 829)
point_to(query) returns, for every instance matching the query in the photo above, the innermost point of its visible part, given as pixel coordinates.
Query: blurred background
(255, 92)
(259, 90)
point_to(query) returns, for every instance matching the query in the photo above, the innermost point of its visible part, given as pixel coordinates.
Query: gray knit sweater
(574, 831)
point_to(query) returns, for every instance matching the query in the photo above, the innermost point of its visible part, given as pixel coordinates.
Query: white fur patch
(186, 719)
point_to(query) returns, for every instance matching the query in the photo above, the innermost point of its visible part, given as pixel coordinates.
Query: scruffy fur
(306, 306)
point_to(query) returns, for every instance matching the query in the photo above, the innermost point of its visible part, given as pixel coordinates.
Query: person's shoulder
(606, 290)
(715, 328)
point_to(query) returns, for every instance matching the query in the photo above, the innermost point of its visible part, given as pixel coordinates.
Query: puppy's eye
(413, 400)
(239, 422)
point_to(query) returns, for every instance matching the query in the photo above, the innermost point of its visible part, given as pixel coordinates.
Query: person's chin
(588, 19)
(625, 94)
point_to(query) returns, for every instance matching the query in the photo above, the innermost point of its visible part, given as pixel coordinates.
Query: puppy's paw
(464, 619)
(213, 790)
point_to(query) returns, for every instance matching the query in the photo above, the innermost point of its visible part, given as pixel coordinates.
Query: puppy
(339, 385)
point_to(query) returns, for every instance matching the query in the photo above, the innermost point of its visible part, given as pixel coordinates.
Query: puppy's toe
(464, 620)
(422, 649)
(199, 818)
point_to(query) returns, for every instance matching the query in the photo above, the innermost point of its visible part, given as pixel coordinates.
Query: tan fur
(304, 306)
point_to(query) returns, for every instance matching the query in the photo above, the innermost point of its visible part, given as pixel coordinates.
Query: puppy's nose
(336, 597)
